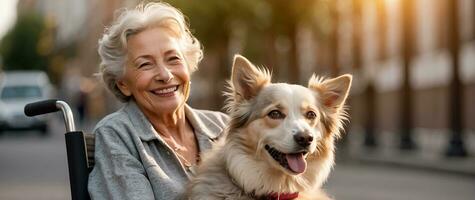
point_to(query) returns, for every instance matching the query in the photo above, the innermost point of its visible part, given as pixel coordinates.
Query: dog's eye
(275, 114)
(310, 115)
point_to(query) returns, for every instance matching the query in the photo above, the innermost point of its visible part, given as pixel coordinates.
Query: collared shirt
(132, 161)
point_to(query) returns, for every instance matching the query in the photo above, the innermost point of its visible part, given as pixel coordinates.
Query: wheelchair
(79, 146)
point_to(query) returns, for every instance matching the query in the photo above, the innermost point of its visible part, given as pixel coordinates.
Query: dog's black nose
(303, 139)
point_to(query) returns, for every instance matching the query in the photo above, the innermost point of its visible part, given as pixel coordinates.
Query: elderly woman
(146, 149)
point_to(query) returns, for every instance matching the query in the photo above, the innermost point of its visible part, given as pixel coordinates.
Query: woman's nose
(163, 74)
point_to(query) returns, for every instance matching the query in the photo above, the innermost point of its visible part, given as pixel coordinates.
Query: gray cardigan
(133, 162)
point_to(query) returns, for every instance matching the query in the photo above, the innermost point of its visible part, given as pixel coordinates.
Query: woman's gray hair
(113, 44)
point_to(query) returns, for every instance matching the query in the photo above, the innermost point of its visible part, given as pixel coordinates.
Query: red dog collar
(282, 196)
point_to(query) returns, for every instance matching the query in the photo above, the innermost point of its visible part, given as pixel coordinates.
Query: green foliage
(212, 21)
(19, 47)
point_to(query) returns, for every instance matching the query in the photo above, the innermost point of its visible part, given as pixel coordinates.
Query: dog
(279, 143)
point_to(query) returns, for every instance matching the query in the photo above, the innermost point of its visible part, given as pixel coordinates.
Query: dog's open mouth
(295, 162)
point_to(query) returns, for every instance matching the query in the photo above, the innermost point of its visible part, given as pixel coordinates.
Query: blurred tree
(357, 32)
(408, 19)
(213, 23)
(285, 19)
(382, 17)
(371, 139)
(456, 145)
(334, 39)
(23, 48)
(250, 27)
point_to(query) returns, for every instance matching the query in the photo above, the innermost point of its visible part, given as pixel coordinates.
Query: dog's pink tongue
(296, 162)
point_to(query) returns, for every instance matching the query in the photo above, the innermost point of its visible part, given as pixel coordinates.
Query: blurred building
(362, 37)
(430, 72)
(365, 38)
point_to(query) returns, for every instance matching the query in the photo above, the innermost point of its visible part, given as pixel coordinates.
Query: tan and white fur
(299, 123)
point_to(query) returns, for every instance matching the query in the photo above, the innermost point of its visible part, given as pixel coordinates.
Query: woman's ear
(123, 87)
(333, 92)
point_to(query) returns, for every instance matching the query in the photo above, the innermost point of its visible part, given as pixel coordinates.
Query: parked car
(18, 88)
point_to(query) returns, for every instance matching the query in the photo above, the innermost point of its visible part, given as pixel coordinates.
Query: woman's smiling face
(156, 72)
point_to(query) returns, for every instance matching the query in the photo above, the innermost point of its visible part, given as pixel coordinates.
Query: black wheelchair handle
(41, 107)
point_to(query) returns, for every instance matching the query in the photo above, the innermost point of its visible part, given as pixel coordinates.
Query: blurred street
(366, 182)
(35, 167)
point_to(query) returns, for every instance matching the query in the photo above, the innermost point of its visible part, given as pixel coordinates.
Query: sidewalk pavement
(429, 154)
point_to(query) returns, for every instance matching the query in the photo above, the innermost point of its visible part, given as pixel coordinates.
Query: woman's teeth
(166, 90)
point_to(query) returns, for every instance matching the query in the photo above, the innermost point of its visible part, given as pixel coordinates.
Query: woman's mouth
(165, 92)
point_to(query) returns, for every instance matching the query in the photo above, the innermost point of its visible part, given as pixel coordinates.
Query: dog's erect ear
(247, 79)
(333, 91)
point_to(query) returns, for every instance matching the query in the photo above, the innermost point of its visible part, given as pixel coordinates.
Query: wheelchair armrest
(90, 146)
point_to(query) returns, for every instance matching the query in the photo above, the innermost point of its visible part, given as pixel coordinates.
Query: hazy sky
(7, 15)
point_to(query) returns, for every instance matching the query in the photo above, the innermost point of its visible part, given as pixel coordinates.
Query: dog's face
(282, 124)
(286, 126)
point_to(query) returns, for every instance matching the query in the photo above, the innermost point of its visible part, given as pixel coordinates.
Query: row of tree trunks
(455, 145)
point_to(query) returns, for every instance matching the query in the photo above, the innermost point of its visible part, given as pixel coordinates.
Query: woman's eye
(310, 115)
(275, 114)
(144, 64)
(174, 59)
